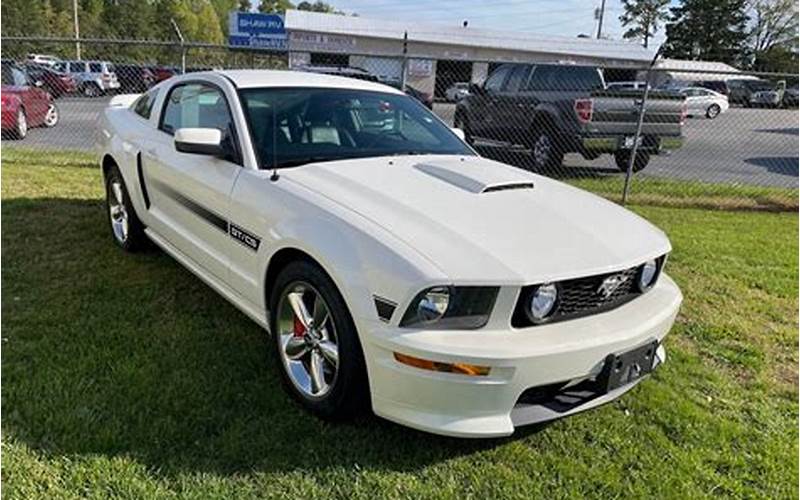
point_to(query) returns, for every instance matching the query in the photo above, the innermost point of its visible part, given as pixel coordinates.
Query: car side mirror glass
(200, 141)
(460, 133)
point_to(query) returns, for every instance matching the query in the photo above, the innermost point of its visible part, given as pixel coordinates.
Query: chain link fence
(722, 139)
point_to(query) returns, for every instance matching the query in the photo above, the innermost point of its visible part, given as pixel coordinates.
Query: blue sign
(258, 31)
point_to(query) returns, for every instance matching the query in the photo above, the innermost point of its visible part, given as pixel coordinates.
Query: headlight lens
(542, 302)
(648, 274)
(443, 307)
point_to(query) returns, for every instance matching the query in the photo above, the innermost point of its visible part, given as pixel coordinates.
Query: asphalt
(742, 146)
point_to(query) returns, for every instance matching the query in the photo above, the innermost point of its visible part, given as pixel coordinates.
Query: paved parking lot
(743, 146)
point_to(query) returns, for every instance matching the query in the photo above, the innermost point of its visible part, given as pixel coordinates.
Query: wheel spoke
(298, 306)
(117, 188)
(330, 352)
(295, 347)
(320, 316)
(317, 373)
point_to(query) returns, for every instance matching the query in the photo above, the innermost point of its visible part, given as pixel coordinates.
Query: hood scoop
(468, 183)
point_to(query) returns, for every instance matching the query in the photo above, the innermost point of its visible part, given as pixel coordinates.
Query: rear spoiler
(122, 100)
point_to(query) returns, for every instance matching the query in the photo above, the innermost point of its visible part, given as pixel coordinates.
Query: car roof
(250, 78)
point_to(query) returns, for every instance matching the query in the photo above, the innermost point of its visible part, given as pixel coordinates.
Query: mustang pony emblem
(610, 284)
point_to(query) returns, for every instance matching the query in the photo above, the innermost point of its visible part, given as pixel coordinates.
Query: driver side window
(196, 105)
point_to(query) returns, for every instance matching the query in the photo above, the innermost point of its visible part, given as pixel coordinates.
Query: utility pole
(183, 48)
(77, 29)
(600, 19)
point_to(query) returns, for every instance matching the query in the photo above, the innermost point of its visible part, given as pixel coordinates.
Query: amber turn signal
(462, 368)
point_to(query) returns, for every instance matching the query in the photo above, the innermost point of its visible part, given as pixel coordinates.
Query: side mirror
(475, 89)
(38, 83)
(199, 141)
(460, 133)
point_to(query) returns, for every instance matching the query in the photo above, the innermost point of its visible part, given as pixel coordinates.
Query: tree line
(750, 34)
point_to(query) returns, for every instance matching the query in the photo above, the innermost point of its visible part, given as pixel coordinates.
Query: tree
(643, 17)
(245, 5)
(274, 6)
(318, 6)
(774, 25)
(713, 30)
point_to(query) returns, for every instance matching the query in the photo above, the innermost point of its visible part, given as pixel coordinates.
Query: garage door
(383, 67)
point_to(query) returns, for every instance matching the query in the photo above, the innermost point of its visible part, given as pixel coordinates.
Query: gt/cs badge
(247, 239)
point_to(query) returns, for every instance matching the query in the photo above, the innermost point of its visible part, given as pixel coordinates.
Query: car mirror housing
(460, 133)
(200, 141)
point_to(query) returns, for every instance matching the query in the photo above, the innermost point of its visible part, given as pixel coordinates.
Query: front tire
(321, 361)
(713, 111)
(622, 158)
(20, 129)
(126, 228)
(546, 153)
(52, 116)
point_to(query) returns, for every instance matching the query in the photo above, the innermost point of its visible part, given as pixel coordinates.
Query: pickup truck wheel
(545, 152)
(622, 158)
(126, 228)
(713, 111)
(315, 339)
(461, 122)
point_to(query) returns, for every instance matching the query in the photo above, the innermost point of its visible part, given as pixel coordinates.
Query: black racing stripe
(194, 207)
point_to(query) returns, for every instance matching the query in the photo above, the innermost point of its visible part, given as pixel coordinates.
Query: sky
(548, 17)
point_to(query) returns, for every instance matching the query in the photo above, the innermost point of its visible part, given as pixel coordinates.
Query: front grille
(582, 297)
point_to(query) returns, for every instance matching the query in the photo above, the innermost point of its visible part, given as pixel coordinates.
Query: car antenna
(274, 177)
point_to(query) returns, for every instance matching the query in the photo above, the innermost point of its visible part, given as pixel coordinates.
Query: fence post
(639, 123)
(183, 45)
(404, 70)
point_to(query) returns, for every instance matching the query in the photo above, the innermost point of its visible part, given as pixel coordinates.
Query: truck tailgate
(617, 112)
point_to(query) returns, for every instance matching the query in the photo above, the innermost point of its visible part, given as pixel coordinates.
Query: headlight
(542, 302)
(647, 275)
(442, 307)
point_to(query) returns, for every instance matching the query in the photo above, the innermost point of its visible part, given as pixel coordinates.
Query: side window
(542, 78)
(196, 105)
(495, 81)
(518, 78)
(143, 106)
(95, 68)
(20, 80)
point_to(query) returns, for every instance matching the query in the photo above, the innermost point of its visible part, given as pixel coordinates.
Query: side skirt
(229, 294)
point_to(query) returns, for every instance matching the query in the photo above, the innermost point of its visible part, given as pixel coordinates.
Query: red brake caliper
(299, 329)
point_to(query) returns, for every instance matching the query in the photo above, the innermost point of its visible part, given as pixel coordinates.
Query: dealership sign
(258, 31)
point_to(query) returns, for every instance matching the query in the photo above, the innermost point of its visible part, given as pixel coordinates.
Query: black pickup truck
(555, 109)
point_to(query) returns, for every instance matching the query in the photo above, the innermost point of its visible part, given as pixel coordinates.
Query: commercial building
(439, 55)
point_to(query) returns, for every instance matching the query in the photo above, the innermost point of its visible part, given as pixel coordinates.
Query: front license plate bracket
(627, 367)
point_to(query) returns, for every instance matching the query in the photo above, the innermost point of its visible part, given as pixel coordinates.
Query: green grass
(126, 376)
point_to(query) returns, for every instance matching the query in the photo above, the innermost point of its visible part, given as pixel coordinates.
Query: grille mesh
(581, 297)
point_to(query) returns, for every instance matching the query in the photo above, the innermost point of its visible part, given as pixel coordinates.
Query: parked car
(790, 97)
(393, 266)
(362, 74)
(94, 78)
(555, 109)
(43, 59)
(753, 92)
(54, 82)
(704, 102)
(161, 73)
(23, 105)
(134, 78)
(457, 91)
(718, 86)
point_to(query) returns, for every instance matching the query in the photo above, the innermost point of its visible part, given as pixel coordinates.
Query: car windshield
(759, 85)
(291, 127)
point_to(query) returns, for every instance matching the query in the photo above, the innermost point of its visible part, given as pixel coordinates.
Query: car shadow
(784, 165)
(785, 130)
(130, 355)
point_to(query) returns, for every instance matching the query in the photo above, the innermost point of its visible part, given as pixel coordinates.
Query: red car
(55, 82)
(23, 105)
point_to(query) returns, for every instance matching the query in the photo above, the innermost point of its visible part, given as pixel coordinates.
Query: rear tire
(126, 228)
(622, 158)
(333, 390)
(52, 116)
(546, 154)
(91, 90)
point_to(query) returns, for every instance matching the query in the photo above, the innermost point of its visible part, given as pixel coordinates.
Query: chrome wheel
(22, 124)
(117, 211)
(542, 149)
(307, 340)
(713, 111)
(51, 118)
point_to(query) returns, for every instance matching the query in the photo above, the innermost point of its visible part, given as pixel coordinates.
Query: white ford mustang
(396, 269)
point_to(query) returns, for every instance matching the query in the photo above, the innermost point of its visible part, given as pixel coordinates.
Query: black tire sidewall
(137, 240)
(623, 157)
(713, 111)
(349, 395)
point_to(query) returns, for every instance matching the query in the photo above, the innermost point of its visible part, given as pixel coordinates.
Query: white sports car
(395, 268)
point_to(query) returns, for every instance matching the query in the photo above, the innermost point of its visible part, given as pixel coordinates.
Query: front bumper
(568, 354)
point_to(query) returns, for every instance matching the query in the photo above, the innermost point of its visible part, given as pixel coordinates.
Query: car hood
(480, 221)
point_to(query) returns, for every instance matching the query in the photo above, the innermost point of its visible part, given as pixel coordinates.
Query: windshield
(759, 85)
(292, 127)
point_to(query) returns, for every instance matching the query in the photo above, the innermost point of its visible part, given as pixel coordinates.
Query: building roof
(250, 78)
(701, 70)
(298, 20)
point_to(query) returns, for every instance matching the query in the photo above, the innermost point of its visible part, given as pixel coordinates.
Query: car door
(483, 120)
(512, 105)
(189, 193)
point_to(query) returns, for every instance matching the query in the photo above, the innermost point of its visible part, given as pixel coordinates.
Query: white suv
(94, 78)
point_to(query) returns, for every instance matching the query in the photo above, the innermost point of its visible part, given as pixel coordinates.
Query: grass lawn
(126, 376)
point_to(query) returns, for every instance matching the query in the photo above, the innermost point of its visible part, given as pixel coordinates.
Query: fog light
(647, 274)
(542, 302)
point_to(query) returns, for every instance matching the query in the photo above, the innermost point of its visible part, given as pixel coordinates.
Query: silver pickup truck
(555, 109)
